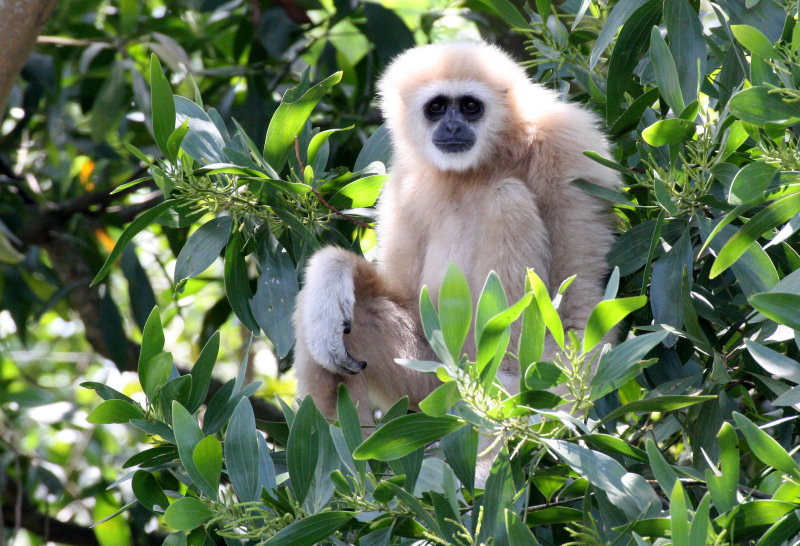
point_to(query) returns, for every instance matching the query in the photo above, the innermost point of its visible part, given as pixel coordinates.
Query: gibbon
(481, 176)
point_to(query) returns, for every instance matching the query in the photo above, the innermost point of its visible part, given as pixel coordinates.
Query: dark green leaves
(289, 119)
(237, 282)
(114, 411)
(759, 106)
(241, 452)
(187, 513)
(403, 435)
(202, 248)
(161, 105)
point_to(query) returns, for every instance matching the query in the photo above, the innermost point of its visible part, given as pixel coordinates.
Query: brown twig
(322, 199)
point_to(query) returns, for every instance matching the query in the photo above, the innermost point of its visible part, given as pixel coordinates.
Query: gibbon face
(448, 105)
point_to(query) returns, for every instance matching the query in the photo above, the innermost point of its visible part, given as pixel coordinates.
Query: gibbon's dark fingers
(351, 366)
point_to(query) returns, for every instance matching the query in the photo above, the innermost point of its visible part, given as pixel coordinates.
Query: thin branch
(322, 199)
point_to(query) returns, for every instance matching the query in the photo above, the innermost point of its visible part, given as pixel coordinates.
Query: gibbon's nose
(453, 128)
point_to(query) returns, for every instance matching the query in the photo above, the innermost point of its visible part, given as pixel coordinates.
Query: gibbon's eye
(436, 107)
(471, 107)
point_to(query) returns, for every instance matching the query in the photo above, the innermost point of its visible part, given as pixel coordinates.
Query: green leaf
(758, 106)
(658, 403)
(161, 106)
(203, 142)
(310, 530)
(201, 372)
(114, 411)
(609, 194)
(403, 435)
(783, 308)
(607, 314)
(531, 337)
(665, 71)
(754, 40)
(629, 492)
(441, 399)
(751, 182)
(772, 215)
(316, 143)
(698, 532)
(152, 338)
(377, 148)
(723, 487)
(289, 119)
(455, 310)
(141, 222)
(665, 475)
(175, 140)
(507, 11)
(301, 453)
(552, 515)
(349, 423)
(783, 530)
(613, 444)
(491, 302)
(202, 248)
(276, 290)
(495, 336)
(632, 42)
(679, 516)
(187, 513)
(546, 308)
(359, 193)
(428, 314)
(237, 282)
(544, 375)
(105, 392)
(155, 373)
(497, 497)
(178, 388)
(460, 450)
(687, 44)
(619, 15)
(207, 457)
(619, 365)
(765, 447)
(774, 362)
(241, 452)
(669, 131)
(187, 436)
(148, 492)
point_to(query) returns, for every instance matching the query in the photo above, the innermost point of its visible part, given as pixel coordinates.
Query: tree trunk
(20, 24)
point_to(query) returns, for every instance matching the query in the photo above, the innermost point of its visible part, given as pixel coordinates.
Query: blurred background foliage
(701, 101)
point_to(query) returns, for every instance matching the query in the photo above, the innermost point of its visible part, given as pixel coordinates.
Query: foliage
(687, 430)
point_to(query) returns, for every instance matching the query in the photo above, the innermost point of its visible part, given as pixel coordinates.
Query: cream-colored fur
(505, 205)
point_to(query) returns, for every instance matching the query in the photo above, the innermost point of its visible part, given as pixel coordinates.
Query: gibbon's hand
(328, 309)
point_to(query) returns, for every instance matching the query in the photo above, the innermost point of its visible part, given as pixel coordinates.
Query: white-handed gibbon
(481, 176)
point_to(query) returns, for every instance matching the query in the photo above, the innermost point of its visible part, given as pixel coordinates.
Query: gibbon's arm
(350, 327)
(326, 313)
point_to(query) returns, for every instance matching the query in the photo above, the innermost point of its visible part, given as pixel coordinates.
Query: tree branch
(21, 22)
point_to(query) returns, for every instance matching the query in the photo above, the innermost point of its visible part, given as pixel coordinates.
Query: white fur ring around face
(328, 309)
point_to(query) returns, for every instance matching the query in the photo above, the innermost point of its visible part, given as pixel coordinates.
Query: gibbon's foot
(351, 366)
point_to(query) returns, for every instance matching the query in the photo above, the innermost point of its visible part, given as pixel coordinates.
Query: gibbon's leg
(350, 328)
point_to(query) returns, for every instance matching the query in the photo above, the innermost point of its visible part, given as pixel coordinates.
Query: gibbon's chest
(481, 228)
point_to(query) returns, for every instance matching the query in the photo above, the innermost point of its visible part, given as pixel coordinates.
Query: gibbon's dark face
(453, 118)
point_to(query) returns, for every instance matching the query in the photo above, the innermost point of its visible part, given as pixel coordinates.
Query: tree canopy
(168, 166)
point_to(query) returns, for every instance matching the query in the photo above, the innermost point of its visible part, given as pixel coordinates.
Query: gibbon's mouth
(351, 366)
(454, 146)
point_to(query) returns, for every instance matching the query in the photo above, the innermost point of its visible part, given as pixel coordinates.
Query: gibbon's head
(454, 105)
